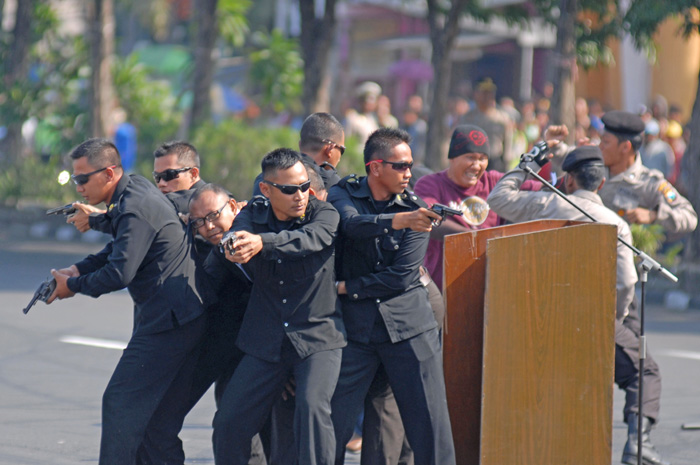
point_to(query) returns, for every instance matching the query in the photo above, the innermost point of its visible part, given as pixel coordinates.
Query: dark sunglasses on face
(81, 179)
(209, 218)
(397, 165)
(338, 146)
(289, 189)
(169, 174)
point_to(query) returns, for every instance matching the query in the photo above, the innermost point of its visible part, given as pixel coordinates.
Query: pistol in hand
(66, 210)
(228, 242)
(43, 293)
(443, 211)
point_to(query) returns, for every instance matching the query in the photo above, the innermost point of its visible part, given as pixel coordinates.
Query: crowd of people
(320, 297)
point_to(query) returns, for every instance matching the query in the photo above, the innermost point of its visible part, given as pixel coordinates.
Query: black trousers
(414, 370)
(216, 363)
(383, 437)
(144, 405)
(627, 369)
(254, 389)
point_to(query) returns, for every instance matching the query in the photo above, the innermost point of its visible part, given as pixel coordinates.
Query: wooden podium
(529, 343)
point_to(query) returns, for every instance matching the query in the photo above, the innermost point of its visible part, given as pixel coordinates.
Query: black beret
(583, 155)
(623, 122)
(468, 138)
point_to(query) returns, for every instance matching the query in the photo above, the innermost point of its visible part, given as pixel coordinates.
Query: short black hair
(210, 187)
(314, 172)
(589, 176)
(318, 127)
(100, 153)
(187, 155)
(279, 159)
(635, 140)
(382, 141)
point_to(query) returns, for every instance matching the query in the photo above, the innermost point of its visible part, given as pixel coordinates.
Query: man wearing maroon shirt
(466, 176)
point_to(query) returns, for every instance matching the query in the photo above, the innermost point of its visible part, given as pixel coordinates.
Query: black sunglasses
(209, 218)
(397, 165)
(81, 179)
(169, 174)
(289, 189)
(338, 146)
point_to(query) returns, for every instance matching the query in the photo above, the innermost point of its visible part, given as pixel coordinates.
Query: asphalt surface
(56, 361)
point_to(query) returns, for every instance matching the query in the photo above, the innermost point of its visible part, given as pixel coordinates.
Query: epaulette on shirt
(350, 180)
(411, 197)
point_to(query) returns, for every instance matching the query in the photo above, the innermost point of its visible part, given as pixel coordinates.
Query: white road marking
(94, 342)
(681, 354)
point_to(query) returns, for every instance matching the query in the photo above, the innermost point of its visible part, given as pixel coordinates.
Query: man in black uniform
(385, 306)
(293, 323)
(211, 214)
(176, 167)
(150, 255)
(321, 142)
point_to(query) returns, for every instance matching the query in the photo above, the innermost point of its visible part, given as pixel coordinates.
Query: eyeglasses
(169, 174)
(81, 179)
(338, 146)
(209, 218)
(290, 189)
(397, 165)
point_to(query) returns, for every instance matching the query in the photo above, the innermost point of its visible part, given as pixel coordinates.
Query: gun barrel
(65, 210)
(43, 293)
(444, 209)
(31, 303)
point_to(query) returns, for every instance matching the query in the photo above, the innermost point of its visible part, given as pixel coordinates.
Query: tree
(643, 19)
(15, 69)
(205, 25)
(101, 55)
(444, 27)
(316, 40)
(562, 109)
(212, 19)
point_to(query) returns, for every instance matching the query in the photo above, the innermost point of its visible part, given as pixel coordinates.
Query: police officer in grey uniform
(637, 193)
(585, 176)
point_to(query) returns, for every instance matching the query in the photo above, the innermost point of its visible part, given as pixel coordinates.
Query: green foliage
(149, 104)
(53, 99)
(352, 161)
(34, 180)
(644, 17)
(277, 70)
(53, 87)
(650, 239)
(232, 150)
(233, 23)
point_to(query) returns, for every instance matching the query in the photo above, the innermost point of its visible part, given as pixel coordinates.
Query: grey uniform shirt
(638, 186)
(509, 202)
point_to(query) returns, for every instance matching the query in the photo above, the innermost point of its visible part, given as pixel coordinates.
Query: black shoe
(650, 456)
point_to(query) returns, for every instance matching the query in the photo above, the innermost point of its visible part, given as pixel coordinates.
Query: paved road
(56, 361)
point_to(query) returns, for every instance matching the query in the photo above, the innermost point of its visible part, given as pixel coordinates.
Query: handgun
(228, 243)
(43, 293)
(443, 211)
(66, 210)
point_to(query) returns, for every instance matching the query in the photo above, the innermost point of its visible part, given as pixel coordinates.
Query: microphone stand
(647, 264)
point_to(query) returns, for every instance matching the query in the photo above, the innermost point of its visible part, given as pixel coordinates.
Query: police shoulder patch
(668, 191)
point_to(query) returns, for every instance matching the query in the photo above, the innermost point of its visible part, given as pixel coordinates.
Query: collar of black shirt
(363, 191)
(118, 192)
(262, 213)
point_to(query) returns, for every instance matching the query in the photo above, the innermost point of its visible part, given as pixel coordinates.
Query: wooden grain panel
(464, 281)
(548, 356)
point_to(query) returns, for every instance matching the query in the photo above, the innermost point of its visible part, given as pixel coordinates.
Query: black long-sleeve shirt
(380, 265)
(293, 293)
(149, 254)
